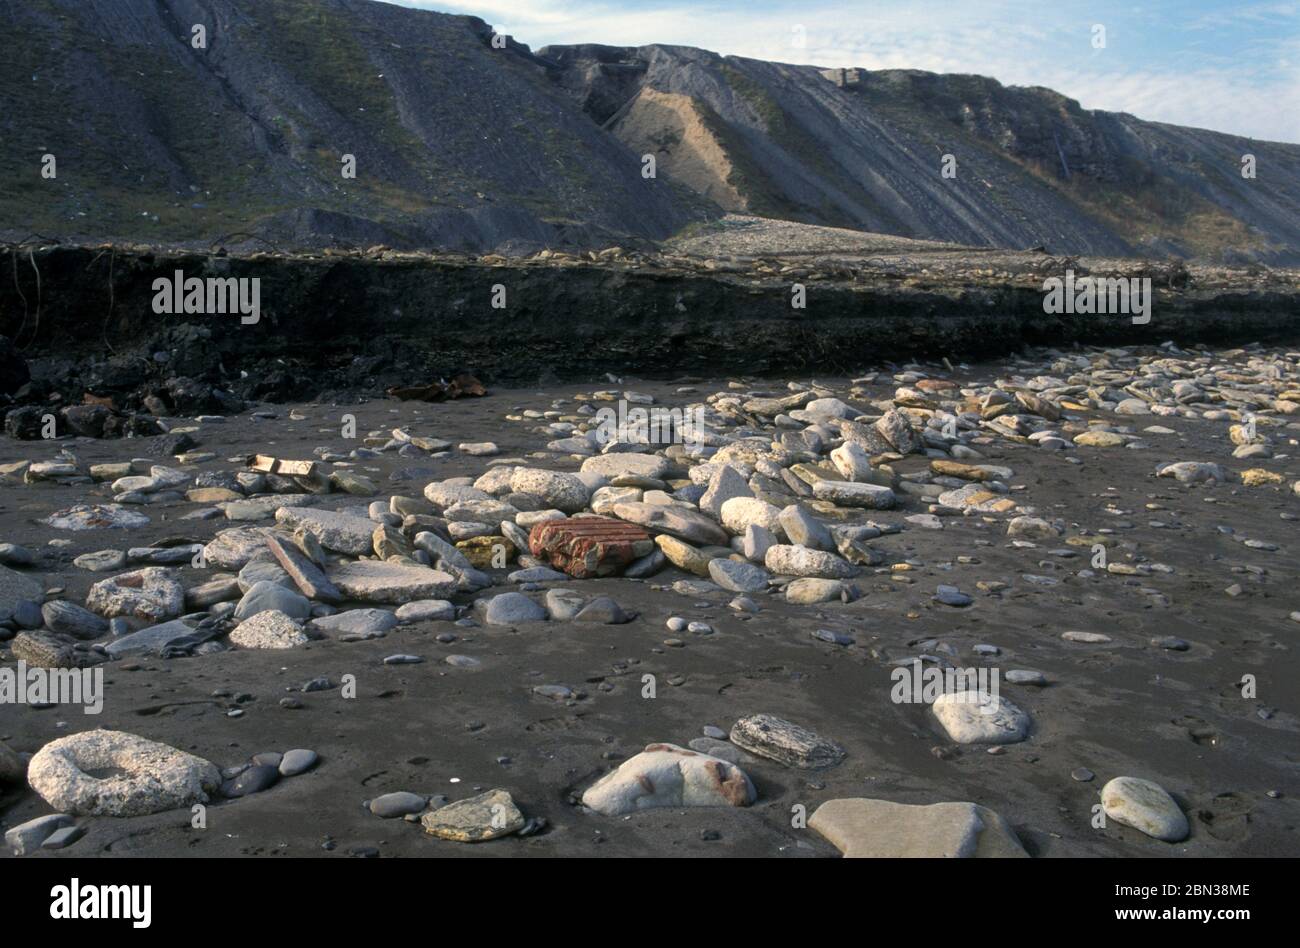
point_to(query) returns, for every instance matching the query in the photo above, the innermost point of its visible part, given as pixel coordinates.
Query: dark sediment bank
(379, 318)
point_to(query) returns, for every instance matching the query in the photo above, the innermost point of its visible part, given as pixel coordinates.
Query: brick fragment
(588, 547)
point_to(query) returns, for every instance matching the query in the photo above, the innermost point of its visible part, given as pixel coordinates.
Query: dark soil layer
(368, 321)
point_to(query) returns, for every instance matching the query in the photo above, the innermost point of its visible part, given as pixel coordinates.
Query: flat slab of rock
(490, 511)
(150, 641)
(28, 837)
(537, 574)
(684, 523)
(341, 532)
(487, 816)
(738, 576)
(264, 569)
(101, 561)
(765, 735)
(233, 548)
(144, 776)
(976, 717)
(851, 494)
(362, 622)
(565, 492)
(1146, 806)
(626, 464)
(442, 495)
(389, 582)
(861, 828)
(668, 775)
(306, 575)
(427, 610)
(263, 508)
(96, 517)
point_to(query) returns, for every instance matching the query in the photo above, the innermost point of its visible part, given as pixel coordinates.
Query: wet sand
(1126, 707)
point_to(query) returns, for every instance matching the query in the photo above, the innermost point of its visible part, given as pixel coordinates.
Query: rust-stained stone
(586, 547)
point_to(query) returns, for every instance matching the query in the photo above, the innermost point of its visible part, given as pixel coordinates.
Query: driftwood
(461, 385)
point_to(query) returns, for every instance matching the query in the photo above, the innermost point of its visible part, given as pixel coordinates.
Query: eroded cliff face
(362, 322)
(462, 144)
(863, 149)
(457, 143)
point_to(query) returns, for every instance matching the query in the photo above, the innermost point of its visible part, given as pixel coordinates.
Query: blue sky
(1234, 67)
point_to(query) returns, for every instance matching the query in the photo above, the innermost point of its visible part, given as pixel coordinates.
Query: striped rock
(585, 547)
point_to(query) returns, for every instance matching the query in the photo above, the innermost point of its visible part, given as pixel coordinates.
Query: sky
(1233, 67)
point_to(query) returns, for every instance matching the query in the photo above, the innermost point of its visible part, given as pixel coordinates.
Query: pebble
(1146, 806)
(1020, 676)
(952, 596)
(512, 609)
(980, 718)
(1089, 638)
(766, 735)
(11, 554)
(398, 804)
(297, 761)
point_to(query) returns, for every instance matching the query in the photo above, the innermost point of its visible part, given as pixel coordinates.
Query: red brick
(586, 547)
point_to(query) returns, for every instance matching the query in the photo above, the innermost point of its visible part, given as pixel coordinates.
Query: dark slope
(458, 144)
(864, 149)
(463, 146)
